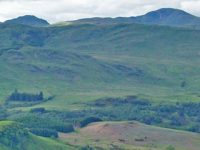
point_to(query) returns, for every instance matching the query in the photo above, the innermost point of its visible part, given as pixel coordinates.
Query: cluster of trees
(38, 110)
(3, 113)
(119, 101)
(87, 148)
(44, 122)
(47, 125)
(25, 97)
(185, 116)
(44, 132)
(89, 120)
(52, 131)
(12, 134)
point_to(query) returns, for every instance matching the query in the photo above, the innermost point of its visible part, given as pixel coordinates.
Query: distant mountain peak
(168, 11)
(28, 20)
(169, 16)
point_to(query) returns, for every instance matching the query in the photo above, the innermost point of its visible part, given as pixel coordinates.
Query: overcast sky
(63, 10)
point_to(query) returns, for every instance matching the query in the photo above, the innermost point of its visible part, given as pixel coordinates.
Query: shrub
(89, 120)
(170, 148)
(38, 110)
(64, 128)
(44, 132)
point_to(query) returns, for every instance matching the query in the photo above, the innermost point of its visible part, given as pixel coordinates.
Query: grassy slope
(11, 134)
(124, 134)
(45, 143)
(84, 62)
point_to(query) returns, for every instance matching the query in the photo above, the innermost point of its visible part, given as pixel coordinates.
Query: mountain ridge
(163, 16)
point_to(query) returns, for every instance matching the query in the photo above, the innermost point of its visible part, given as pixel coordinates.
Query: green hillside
(85, 62)
(13, 137)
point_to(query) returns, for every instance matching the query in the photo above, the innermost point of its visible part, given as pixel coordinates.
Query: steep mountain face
(28, 20)
(165, 16)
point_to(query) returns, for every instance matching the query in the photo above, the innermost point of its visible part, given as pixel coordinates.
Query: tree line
(27, 97)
